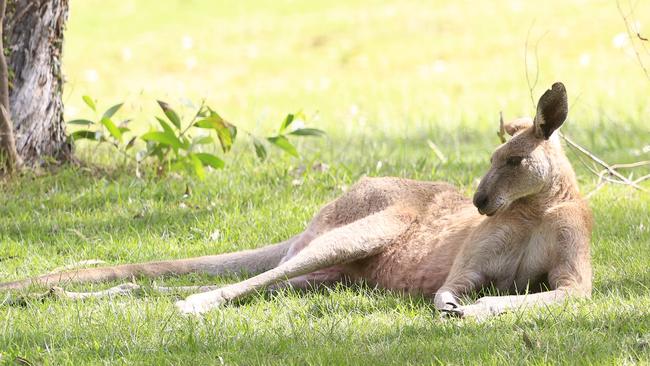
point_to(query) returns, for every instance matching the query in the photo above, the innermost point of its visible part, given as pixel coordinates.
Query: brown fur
(426, 237)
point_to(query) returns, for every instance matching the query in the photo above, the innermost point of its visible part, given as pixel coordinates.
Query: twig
(13, 162)
(83, 263)
(622, 166)
(18, 16)
(537, 60)
(502, 130)
(600, 185)
(610, 170)
(530, 87)
(629, 34)
(123, 289)
(8, 150)
(639, 180)
(631, 165)
(598, 160)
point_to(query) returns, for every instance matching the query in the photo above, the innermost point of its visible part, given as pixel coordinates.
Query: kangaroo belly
(420, 262)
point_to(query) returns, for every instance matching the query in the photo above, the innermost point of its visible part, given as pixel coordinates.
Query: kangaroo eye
(514, 160)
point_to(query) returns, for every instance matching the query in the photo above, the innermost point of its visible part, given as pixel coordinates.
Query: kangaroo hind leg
(252, 261)
(360, 239)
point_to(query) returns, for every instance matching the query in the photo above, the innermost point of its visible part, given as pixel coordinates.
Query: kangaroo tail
(251, 261)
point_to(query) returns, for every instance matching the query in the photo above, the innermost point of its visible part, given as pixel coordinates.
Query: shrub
(175, 145)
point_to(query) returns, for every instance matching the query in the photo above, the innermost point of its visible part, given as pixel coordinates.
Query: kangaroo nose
(480, 200)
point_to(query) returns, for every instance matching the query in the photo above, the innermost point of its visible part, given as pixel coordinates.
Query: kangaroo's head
(529, 162)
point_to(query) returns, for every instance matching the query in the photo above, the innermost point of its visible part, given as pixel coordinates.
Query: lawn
(383, 79)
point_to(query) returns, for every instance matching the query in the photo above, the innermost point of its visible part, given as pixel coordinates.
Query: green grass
(381, 78)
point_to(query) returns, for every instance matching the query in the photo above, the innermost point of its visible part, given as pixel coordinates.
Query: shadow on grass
(76, 208)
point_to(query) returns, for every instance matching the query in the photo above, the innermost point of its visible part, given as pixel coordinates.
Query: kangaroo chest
(519, 263)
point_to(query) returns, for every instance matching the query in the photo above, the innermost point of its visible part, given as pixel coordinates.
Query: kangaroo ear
(552, 110)
(518, 125)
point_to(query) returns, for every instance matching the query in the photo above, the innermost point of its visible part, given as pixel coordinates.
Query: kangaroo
(526, 229)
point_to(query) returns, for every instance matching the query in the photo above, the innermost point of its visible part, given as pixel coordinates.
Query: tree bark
(9, 159)
(33, 31)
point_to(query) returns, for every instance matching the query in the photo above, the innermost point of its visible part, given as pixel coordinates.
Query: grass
(381, 78)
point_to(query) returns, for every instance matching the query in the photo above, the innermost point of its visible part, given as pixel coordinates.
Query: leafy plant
(281, 141)
(174, 148)
(174, 145)
(103, 129)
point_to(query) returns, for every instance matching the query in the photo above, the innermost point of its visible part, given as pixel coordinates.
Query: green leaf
(81, 122)
(287, 121)
(213, 121)
(202, 140)
(130, 143)
(163, 138)
(225, 139)
(185, 142)
(166, 127)
(210, 160)
(308, 132)
(284, 144)
(198, 166)
(260, 150)
(171, 114)
(233, 130)
(226, 132)
(111, 111)
(89, 102)
(300, 115)
(156, 149)
(112, 128)
(83, 134)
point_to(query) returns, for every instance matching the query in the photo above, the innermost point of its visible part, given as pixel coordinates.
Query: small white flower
(324, 83)
(516, 6)
(91, 75)
(252, 51)
(190, 62)
(140, 155)
(187, 42)
(71, 110)
(297, 124)
(127, 55)
(439, 67)
(320, 167)
(620, 40)
(215, 235)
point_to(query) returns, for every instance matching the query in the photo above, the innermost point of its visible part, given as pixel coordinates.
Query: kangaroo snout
(481, 201)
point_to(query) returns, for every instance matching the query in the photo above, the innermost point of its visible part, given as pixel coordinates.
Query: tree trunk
(9, 159)
(33, 31)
